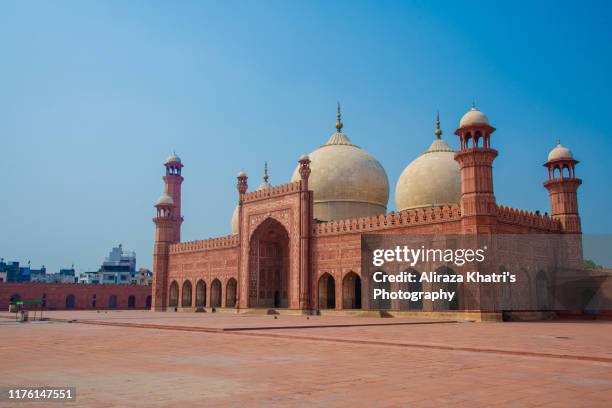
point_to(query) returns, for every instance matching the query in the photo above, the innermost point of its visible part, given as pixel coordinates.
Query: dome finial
(438, 131)
(339, 124)
(265, 177)
(474, 104)
(559, 141)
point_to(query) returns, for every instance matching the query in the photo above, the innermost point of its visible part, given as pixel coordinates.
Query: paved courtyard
(145, 359)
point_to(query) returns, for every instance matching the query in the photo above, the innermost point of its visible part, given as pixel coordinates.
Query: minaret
(168, 230)
(164, 237)
(172, 187)
(475, 158)
(562, 185)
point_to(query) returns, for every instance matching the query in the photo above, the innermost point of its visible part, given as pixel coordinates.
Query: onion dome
(473, 117)
(265, 183)
(173, 158)
(165, 199)
(347, 181)
(560, 152)
(432, 179)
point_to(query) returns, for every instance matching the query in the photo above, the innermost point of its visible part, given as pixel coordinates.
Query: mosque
(297, 245)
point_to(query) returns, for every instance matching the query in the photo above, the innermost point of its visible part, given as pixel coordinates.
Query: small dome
(235, 221)
(264, 185)
(173, 158)
(432, 179)
(560, 152)
(165, 199)
(242, 174)
(347, 181)
(304, 157)
(473, 117)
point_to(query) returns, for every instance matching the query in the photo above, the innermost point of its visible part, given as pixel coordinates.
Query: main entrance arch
(269, 265)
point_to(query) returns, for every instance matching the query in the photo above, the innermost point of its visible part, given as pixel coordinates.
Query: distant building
(10, 271)
(119, 268)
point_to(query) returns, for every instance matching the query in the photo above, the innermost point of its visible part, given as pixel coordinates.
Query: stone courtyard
(146, 359)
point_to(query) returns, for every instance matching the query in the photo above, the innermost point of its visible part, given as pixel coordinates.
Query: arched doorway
(186, 296)
(327, 292)
(93, 301)
(173, 295)
(112, 302)
(131, 302)
(452, 286)
(230, 293)
(215, 293)
(70, 302)
(351, 291)
(15, 297)
(200, 294)
(269, 265)
(148, 302)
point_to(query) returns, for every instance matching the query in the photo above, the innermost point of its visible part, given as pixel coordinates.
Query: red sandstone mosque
(298, 245)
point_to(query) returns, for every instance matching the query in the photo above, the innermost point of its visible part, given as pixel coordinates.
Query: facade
(298, 245)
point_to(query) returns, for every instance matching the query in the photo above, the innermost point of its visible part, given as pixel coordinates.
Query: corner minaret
(164, 237)
(168, 222)
(172, 187)
(562, 185)
(475, 158)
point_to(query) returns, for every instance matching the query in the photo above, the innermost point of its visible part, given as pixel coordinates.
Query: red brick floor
(568, 364)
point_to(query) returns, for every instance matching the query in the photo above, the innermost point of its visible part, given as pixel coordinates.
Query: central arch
(269, 265)
(327, 292)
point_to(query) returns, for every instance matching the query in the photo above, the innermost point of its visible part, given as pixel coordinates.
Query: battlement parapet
(527, 218)
(279, 190)
(228, 241)
(419, 216)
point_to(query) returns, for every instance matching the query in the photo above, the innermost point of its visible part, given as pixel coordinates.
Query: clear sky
(95, 95)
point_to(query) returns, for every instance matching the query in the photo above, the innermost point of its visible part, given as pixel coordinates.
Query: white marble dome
(473, 117)
(432, 179)
(173, 158)
(165, 199)
(560, 152)
(346, 180)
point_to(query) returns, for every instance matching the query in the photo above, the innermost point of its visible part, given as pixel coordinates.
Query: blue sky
(95, 95)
